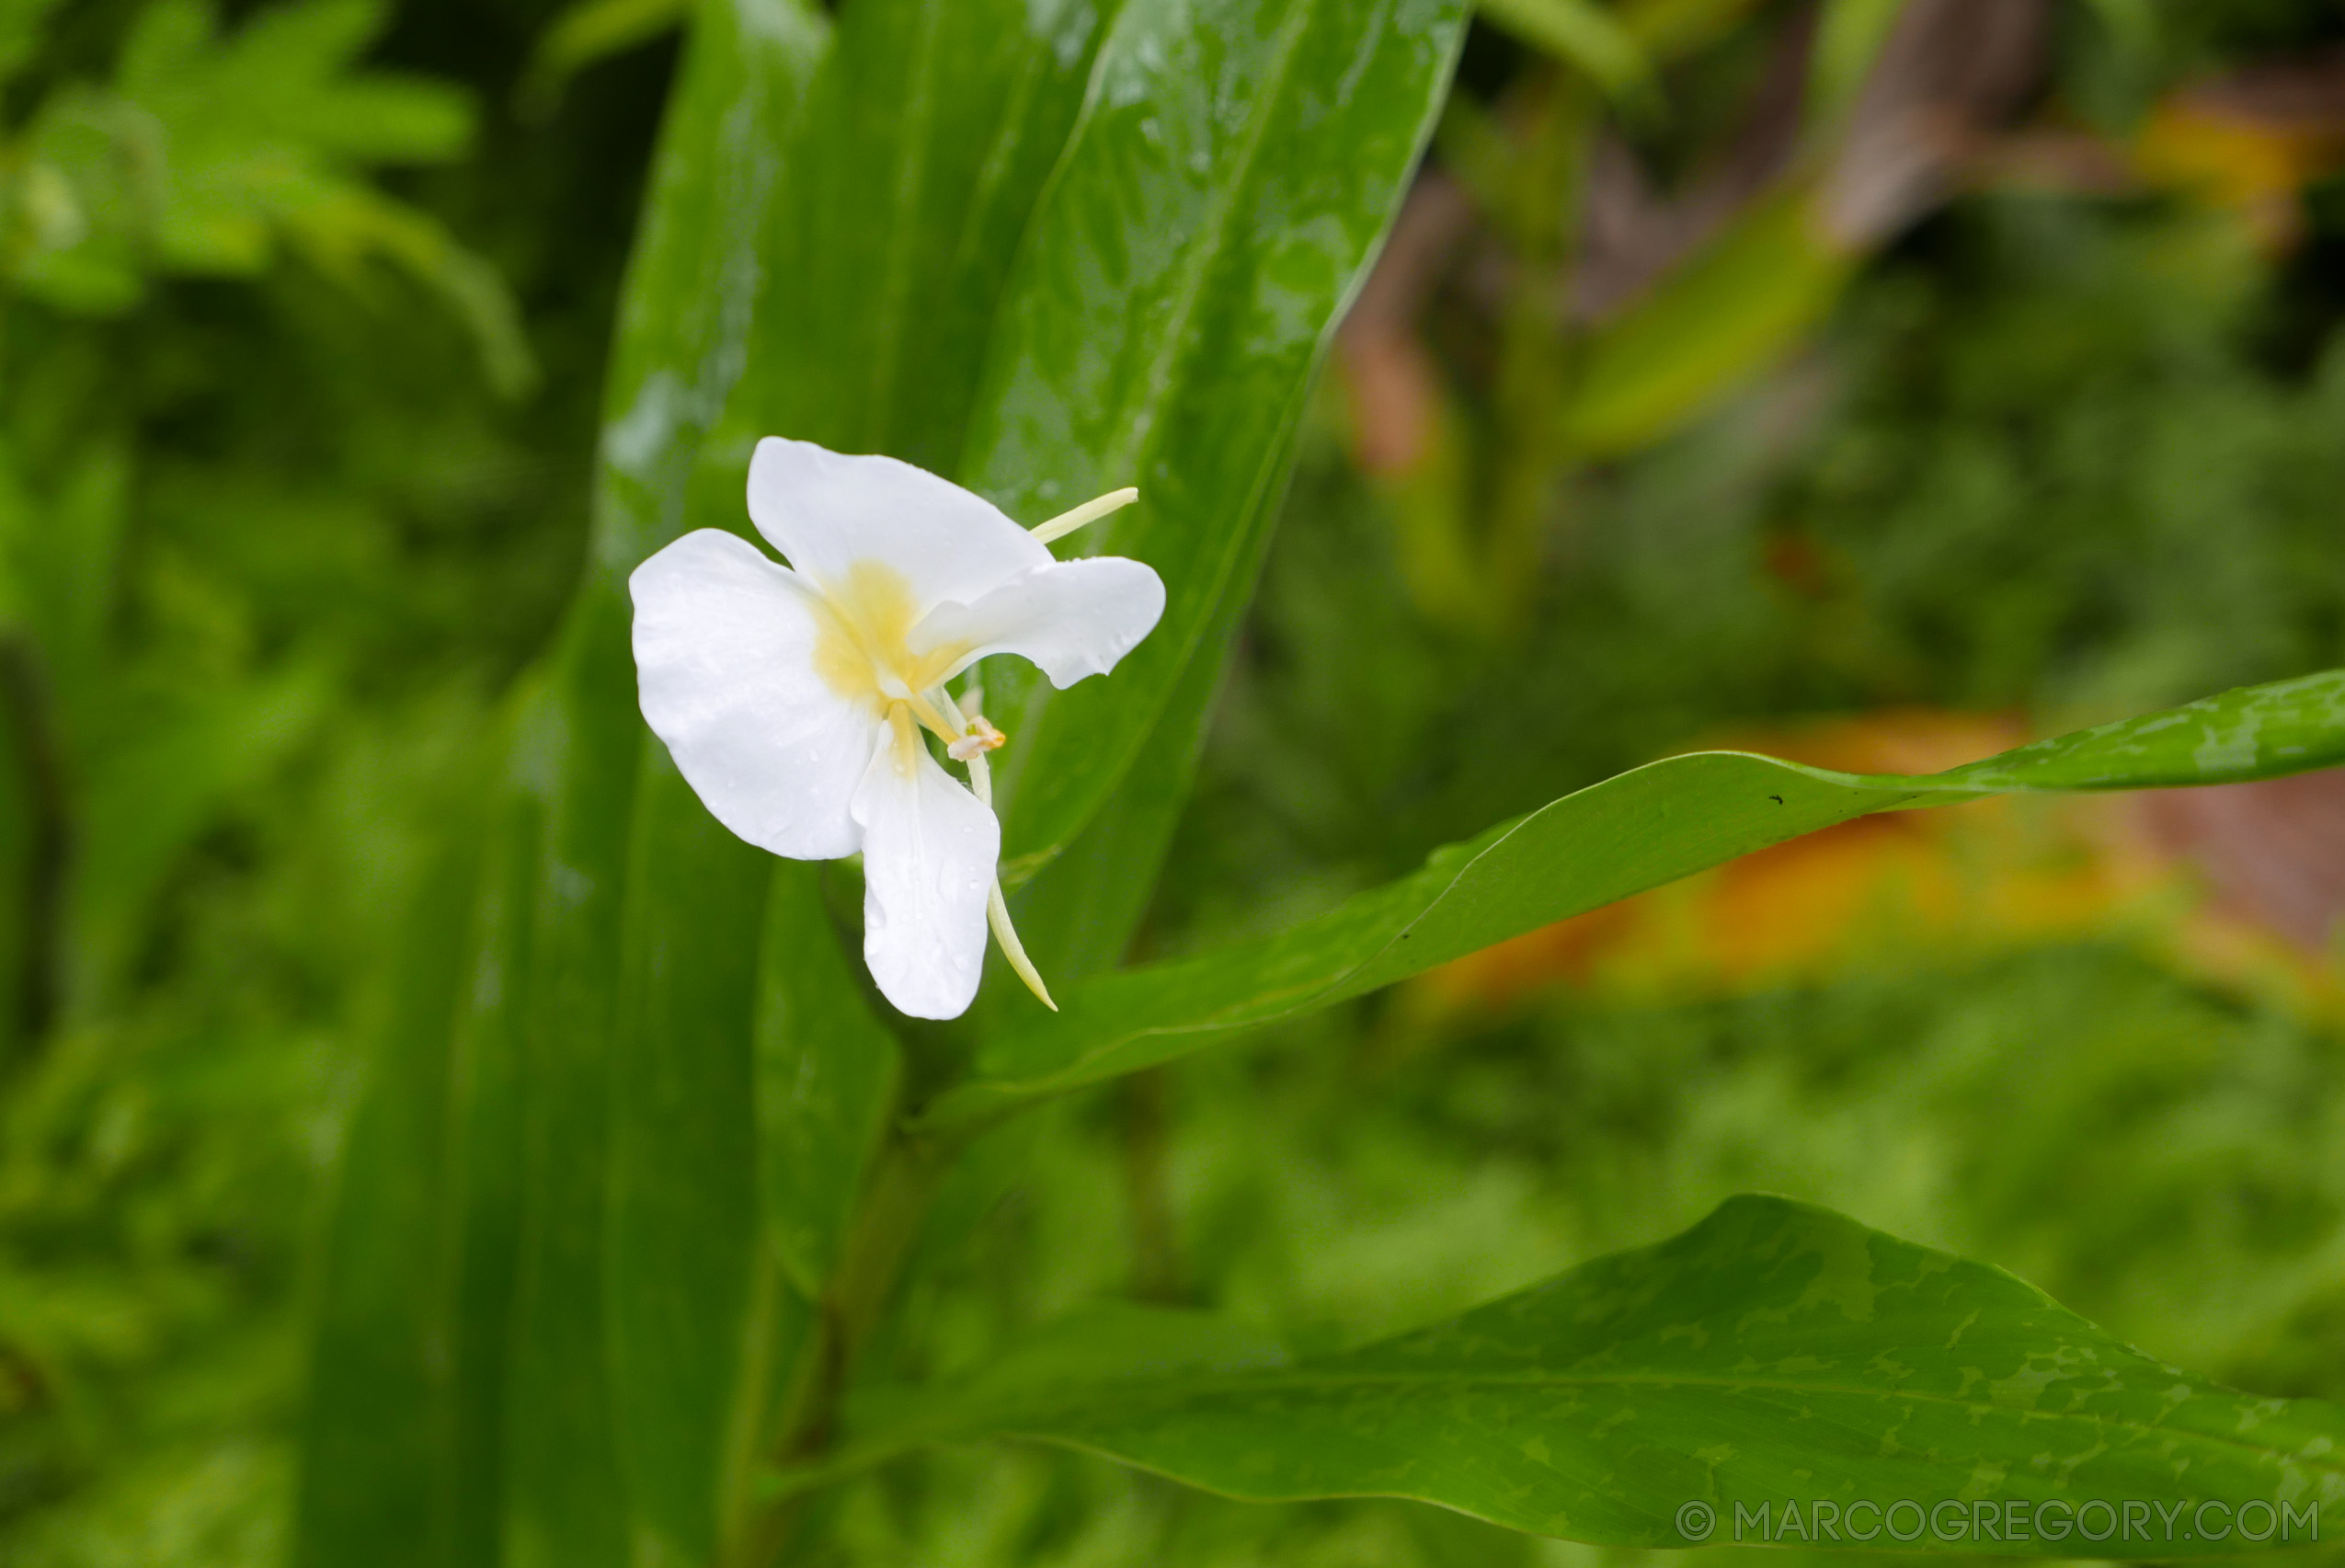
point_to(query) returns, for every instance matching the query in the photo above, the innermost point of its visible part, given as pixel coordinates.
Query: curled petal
(1072, 618)
(725, 662)
(930, 850)
(827, 512)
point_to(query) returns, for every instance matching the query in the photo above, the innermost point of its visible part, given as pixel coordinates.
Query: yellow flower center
(863, 650)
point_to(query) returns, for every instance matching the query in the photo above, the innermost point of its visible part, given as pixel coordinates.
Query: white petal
(1072, 618)
(827, 511)
(930, 850)
(724, 645)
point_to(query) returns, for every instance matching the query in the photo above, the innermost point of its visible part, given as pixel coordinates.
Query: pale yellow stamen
(978, 739)
(997, 908)
(1090, 511)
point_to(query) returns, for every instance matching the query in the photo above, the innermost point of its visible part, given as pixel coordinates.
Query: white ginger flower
(793, 698)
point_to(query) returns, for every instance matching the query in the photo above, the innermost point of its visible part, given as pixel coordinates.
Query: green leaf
(22, 23)
(256, 126)
(573, 1496)
(2255, 732)
(528, 1421)
(1583, 33)
(1669, 30)
(827, 1073)
(589, 31)
(698, 271)
(1629, 833)
(564, 1499)
(684, 1226)
(736, 1167)
(1775, 1355)
(1077, 919)
(211, 151)
(1723, 316)
(147, 798)
(483, 1199)
(1237, 164)
(375, 1430)
(1850, 35)
(932, 131)
(833, 224)
(284, 84)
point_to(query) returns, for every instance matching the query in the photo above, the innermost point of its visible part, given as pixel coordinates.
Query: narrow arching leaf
(1583, 33)
(1237, 162)
(507, 1225)
(1629, 833)
(581, 1491)
(2255, 732)
(684, 1227)
(483, 1203)
(564, 1500)
(374, 1490)
(1718, 319)
(1777, 1356)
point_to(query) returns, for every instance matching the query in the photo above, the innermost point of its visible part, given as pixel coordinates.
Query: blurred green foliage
(282, 511)
(277, 525)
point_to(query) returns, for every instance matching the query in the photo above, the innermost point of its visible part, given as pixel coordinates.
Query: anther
(980, 738)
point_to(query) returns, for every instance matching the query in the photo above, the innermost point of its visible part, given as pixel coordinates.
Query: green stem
(908, 1173)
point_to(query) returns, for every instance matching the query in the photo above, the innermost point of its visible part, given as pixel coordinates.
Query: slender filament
(1090, 511)
(997, 908)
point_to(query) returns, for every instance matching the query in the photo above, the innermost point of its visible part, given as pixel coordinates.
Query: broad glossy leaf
(666, 1021)
(580, 1493)
(700, 268)
(565, 1501)
(1629, 833)
(2254, 732)
(748, 1099)
(827, 1072)
(927, 138)
(1077, 919)
(1774, 1355)
(522, 1452)
(739, 1138)
(1237, 162)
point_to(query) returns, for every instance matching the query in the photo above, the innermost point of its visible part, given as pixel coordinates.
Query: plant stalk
(904, 1182)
